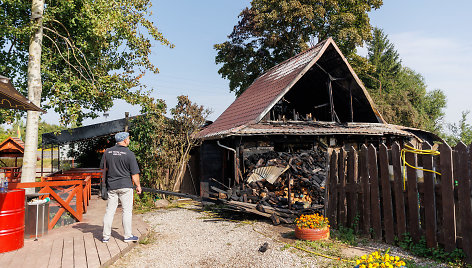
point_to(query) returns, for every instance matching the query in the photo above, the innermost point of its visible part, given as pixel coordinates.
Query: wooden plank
(374, 191)
(351, 197)
(80, 258)
(466, 209)
(386, 195)
(447, 198)
(429, 199)
(364, 180)
(8, 257)
(102, 250)
(20, 257)
(398, 191)
(55, 259)
(342, 187)
(91, 251)
(121, 244)
(332, 188)
(413, 202)
(68, 253)
(113, 247)
(40, 258)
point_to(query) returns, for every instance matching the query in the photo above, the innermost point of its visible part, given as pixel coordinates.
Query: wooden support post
(332, 188)
(331, 101)
(42, 160)
(51, 156)
(58, 157)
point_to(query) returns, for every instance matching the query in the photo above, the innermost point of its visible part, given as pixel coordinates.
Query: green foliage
(93, 51)
(162, 145)
(454, 258)
(271, 31)
(19, 125)
(461, 131)
(144, 202)
(88, 153)
(399, 92)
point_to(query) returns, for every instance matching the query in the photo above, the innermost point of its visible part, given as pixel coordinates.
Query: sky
(432, 37)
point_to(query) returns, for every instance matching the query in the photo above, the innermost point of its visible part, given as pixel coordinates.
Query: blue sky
(432, 37)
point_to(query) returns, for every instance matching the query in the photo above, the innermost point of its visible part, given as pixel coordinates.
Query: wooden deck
(77, 245)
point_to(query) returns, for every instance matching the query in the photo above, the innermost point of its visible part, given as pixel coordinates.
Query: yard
(188, 236)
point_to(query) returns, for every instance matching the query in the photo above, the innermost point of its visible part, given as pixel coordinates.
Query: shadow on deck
(78, 244)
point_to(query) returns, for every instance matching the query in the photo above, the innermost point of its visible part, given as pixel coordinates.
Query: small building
(313, 100)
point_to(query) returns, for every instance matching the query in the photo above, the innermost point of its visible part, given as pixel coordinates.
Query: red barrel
(12, 220)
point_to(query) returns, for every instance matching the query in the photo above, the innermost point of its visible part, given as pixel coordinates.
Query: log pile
(273, 194)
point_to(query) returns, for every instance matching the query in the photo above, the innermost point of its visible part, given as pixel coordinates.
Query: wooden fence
(368, 191)
(76, 187)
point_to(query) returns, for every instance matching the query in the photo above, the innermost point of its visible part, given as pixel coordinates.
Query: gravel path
(184, 238)
(189, 238)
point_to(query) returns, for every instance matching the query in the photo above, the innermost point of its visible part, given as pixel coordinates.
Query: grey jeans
(126, 197)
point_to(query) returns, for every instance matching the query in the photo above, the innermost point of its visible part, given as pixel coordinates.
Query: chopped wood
(298, 187)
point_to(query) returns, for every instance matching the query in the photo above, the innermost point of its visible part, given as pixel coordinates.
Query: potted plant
(312, 227)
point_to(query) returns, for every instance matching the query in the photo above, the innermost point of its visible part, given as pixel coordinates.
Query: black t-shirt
(121, 164)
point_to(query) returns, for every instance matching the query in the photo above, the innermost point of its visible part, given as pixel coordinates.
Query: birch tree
(28, 173)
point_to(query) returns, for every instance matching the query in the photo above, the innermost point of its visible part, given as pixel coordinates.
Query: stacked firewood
(278, 182)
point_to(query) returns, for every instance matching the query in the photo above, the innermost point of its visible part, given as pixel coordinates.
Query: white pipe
(236, 179)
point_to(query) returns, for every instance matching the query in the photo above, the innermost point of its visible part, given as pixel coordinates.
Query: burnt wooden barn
(270, 146)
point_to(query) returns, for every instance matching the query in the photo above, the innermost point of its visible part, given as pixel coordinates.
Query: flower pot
(312, 234)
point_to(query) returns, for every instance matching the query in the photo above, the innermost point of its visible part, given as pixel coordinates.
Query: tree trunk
(28, 173)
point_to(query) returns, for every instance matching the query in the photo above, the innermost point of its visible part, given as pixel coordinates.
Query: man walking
(122, 171)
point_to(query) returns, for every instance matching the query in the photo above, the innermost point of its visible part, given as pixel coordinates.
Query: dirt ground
(189, 237)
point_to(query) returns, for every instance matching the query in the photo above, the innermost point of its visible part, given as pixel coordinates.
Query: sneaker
(131, 239)
(105, 240)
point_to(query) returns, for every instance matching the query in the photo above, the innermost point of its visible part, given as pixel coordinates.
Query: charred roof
(317, 85)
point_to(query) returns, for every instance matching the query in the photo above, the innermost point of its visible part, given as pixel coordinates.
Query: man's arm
(135, 179)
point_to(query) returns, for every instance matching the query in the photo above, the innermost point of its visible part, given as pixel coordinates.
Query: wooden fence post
(463, 190)
(413, 202)
(447, 196)
(332, 188)
(466, 214)
(429, 199)
(352, 189)
(398, 191)
(364, 179)
(342, 184)
(374, 190)
(386, 195)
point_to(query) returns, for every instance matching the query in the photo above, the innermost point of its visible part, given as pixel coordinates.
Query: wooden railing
(368, 190)
(78, 187)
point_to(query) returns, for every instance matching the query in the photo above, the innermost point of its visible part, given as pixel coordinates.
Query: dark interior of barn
(327, 92)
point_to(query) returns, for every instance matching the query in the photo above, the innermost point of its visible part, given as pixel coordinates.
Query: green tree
(461, 131)
(399, 92)
(271, 31)
(162, 145)
(76, 57)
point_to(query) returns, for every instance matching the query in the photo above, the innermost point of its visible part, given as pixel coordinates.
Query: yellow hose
(416, 151)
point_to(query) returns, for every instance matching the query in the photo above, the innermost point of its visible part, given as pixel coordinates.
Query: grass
(150, 238)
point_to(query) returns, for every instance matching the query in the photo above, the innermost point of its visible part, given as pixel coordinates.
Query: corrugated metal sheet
(313, 128)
